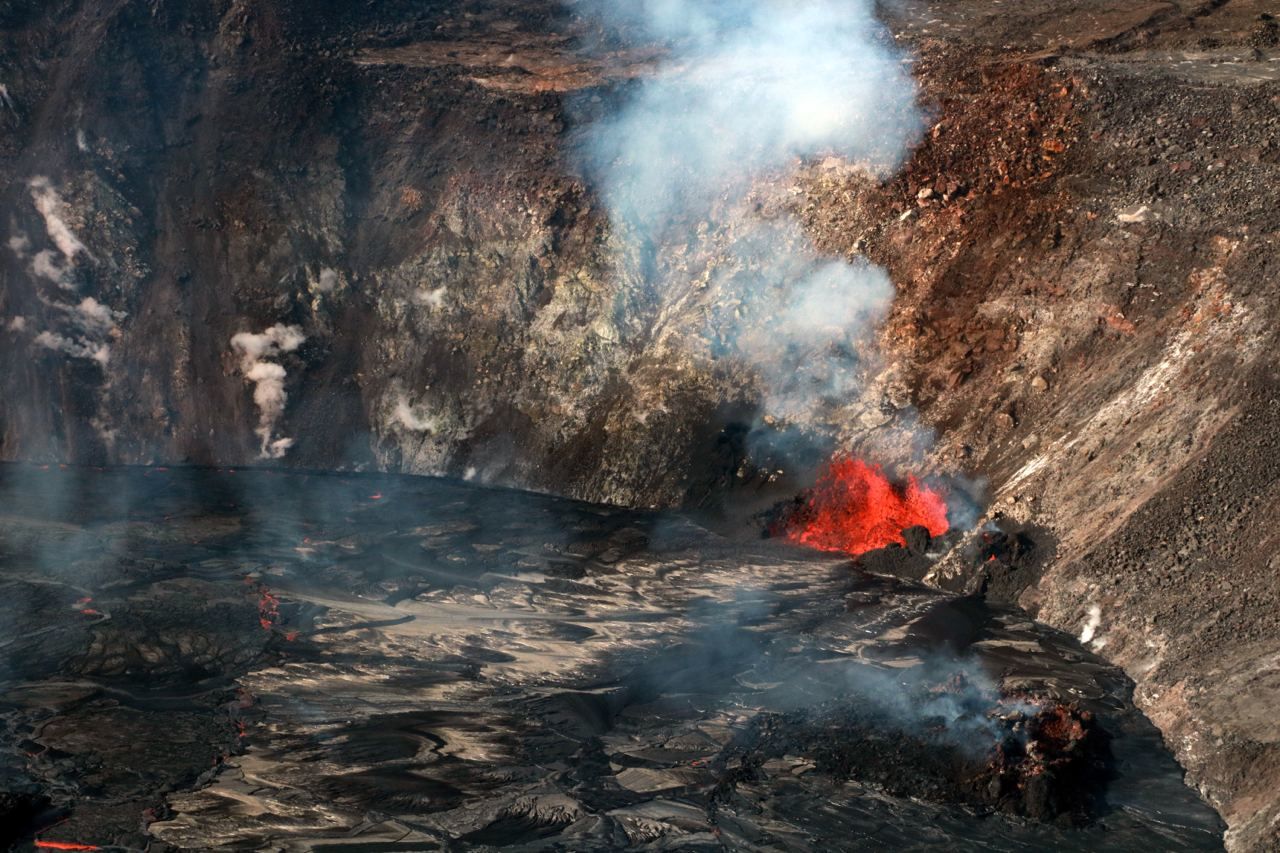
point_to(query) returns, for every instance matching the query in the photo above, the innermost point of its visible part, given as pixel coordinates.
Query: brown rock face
(1083, 243)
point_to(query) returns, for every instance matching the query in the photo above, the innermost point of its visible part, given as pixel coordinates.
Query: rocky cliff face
(395, 188)
(231, 169)
(383, 200)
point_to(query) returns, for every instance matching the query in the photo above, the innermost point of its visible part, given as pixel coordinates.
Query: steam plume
(268, 380)
(20, 244)
(414, 418)
(327, 281)
(50, 205)
(89, 328)
(74, 347)
(90, 325)
(750, 89)
(47, 266)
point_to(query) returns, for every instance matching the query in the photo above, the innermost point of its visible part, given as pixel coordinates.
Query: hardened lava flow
(299, 660)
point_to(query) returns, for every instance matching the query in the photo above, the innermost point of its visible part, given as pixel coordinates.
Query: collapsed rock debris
(1040, 760)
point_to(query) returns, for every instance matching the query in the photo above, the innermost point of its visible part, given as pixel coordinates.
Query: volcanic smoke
(855, 508)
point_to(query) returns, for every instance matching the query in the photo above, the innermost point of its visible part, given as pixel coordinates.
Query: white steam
(74, 347)
(414, 418)
(748, 91)
(51, 207)
(327, 281)
(90, 328)
(268, 380)
(46, 265)
(433, 299)
(55, 266)
(1091, 624)
(92, 318)
(798, 319)
(20, 244)
(748, 87)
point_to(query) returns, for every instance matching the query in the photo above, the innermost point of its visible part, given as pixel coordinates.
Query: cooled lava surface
(209, 659)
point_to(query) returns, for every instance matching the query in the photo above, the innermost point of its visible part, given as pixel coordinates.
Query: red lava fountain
(855, 508)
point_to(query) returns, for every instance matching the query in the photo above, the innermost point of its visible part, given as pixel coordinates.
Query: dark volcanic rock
(20, 812)
(233, 169)
(917, 540)
(1001, 563)
(1044, 762)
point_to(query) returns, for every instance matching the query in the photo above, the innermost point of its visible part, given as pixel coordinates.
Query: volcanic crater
(384, 469)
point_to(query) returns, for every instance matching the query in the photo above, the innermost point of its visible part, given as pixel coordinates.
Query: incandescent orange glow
(268, 609)
(65, 845)
(855, 508)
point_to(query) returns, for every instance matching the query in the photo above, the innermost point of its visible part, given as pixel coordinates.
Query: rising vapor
(88, 326)
(268, 377)
(88, 329)
(50, 204)
(748, 91)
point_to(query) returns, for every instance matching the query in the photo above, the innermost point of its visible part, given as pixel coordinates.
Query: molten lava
(855, 508)
(268, 609)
